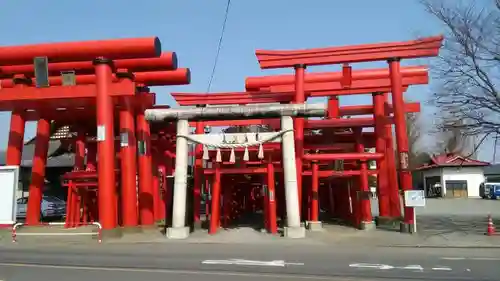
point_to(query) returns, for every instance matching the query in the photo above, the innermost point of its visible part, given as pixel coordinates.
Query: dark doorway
(433, 187)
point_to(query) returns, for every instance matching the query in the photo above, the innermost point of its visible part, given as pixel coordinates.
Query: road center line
(173, 271)
(472, 258)
(277, 263)
(441, 268)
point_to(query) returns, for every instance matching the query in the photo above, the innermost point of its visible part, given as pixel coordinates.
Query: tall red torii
(98, 91)
(390, 52)
(424, 47)
(349, 82)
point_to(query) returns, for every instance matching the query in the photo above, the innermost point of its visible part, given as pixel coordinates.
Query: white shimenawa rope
(232, 157)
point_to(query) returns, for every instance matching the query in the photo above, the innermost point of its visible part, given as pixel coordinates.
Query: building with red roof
(452, 176)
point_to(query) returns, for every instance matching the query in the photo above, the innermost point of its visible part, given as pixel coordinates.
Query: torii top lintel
(424, 47)
(180, 76)
(128, 48)
(258, 82)
(317, 84)
(166, 61)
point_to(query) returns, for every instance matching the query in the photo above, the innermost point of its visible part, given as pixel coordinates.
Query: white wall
(473, 175)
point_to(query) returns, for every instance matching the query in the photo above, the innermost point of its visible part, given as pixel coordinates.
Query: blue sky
(192, 27)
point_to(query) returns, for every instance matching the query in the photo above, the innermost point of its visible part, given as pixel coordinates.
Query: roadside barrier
(17, 225)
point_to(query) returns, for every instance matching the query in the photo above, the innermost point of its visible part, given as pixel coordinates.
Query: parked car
(51, 208)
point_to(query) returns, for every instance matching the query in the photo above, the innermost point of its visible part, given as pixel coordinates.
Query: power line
(219, 45)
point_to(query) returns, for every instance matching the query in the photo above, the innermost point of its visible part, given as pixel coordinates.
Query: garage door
(456, 189)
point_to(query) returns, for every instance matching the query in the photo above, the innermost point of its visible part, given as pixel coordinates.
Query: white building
(452, 176)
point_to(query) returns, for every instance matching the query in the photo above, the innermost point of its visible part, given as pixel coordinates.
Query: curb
(441, 247)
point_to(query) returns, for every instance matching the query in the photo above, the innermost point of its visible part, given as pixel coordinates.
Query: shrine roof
(452, 160)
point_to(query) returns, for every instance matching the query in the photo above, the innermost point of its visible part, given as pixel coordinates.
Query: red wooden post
(393, 186)
(314, 192)
(401, 135)
(128, 164)
(106, 197)
(215, 208)
(272, 222)
(38, 172)
(146, 199)
(16, 137)
(382, 176)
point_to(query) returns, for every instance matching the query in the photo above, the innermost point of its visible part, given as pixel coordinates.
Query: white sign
(124, 139)
(276, 263)
(9, 179)
(414, 198)
(101, 133)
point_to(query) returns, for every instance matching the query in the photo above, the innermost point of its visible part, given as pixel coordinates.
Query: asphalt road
(170, 261)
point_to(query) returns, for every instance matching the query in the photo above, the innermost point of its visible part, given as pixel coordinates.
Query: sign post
(413, 199)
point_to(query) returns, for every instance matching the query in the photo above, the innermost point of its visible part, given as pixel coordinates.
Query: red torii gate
(381, 83)
(350, 82)
(90, 94)
(391, 52)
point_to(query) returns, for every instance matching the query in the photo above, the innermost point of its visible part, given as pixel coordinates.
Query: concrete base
(387, 220)
(367, 225)
(111, 233)
(131, 229)
(197, 225)
(178, 232)
(315, 226)
(406, 228)
(294, 232)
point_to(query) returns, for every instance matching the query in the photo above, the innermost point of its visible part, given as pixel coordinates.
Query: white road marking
(441, 268)
(277, 263)
(370, 265)
(413, 267)
(472, 258)
(388, 267)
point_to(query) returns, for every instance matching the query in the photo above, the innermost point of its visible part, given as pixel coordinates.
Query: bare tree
(414, 130)
(467, 70)
(449, 141)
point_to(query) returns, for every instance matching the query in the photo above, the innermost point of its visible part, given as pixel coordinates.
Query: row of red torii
(120, 90)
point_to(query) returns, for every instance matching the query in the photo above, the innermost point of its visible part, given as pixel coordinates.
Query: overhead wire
(219, 45)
